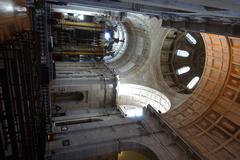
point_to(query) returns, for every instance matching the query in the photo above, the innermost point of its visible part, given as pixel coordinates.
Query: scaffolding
(22, 125)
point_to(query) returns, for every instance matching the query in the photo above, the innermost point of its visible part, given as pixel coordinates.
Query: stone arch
(139, 147)
(137, 49)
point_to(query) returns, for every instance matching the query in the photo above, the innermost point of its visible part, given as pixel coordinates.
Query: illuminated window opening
(76, 12)
(193, 82)
(183, 70)
(107, 36)
(81, 17)
(137, 95)
(191, 39)
(7, 6)
(131, 111)
(182, 53)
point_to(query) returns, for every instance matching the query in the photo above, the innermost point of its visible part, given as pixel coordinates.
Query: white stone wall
(95, 81)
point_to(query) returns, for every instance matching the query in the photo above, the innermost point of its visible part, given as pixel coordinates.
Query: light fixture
(191, 39)
(193, 82)
(183, 70)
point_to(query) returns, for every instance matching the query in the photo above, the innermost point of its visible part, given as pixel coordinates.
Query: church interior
(120, 80)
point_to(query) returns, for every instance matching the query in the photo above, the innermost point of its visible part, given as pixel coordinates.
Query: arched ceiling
(137, 47)
(209, 118)
(140, 64)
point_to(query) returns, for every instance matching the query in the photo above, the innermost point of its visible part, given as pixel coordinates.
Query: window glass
(193, 82)
(182, 53)
(183, 70)
(191, 39)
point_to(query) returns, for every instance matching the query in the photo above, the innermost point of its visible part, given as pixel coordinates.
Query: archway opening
(132, 155)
